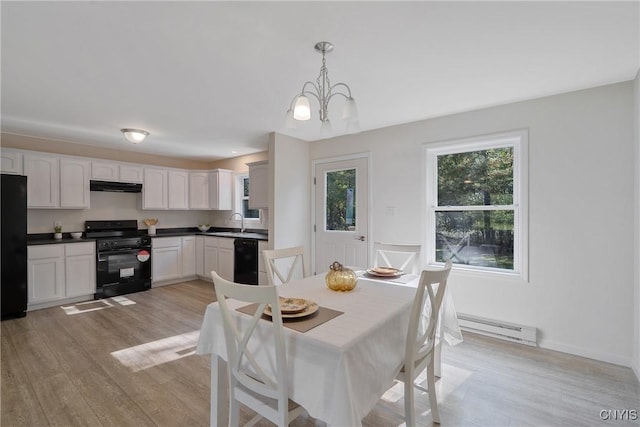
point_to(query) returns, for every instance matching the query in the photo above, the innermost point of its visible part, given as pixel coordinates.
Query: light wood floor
(133, 365)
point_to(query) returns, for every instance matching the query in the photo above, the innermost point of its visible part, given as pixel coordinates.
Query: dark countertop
(47, 238)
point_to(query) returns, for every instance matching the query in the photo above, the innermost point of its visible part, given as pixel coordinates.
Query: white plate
(292, 305)
(311, 308)
(384, 271)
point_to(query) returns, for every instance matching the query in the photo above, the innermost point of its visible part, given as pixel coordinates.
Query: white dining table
(338, 370)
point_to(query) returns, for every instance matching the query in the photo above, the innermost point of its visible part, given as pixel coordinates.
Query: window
(242, 199)
(476, 199)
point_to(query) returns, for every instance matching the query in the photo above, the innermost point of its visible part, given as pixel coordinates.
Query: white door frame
(367, 157)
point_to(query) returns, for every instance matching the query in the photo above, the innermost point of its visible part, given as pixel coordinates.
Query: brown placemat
(303, 324)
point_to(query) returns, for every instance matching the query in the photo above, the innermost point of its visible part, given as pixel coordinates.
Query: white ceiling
(209, 78)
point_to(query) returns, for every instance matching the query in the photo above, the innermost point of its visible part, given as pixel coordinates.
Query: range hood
(116, 187)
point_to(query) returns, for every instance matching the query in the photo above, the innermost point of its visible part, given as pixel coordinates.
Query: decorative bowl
(76, 234)
(204, 228)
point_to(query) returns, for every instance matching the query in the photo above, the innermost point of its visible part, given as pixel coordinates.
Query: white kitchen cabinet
(105, 171)
(221, 189)
(80, 269)
(200, 256)
(116, 172)
(210, 256)
(262, 269)
(74, 183)
(45, 277)
(189, 256)
(199, 190)
(154, 189)
(43, 181)
(166, 256)
(11, 162)
(258, 185)
(131, 173)
(178, 189)
(60, 271)
(225, 258)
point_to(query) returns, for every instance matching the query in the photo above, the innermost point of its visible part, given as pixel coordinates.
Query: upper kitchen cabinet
(155, 189)
(199, 190)
(211, 190)
(116, 172)
(178, 189)
(258, 185)
(131, 173)
(74, 183)
(43, 181)
(102, 171)
(221, 189)
(57, 183)
(11, 162)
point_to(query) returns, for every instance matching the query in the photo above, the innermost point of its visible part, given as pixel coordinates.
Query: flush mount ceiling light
(323, 91)
(134, 136)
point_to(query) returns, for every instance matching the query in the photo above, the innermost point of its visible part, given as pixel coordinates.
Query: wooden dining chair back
(261, 387)
(284, 264)
(402, 257)
(421, 340)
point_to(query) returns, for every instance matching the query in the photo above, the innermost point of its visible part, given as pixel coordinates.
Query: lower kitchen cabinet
(225, 258)
(60, 271)
(210, 256)
(166, 258)
(173, 258)
(80, 269)
(216, 255)
(188, 256)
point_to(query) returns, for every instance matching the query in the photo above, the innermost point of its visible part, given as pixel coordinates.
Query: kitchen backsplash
(113, 206)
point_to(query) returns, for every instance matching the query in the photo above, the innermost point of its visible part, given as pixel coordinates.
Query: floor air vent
(502, 330)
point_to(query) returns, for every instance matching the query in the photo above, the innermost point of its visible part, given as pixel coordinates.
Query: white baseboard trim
(172, 281)
(590, 354)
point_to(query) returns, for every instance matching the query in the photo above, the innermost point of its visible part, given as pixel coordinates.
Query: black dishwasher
(245, 268)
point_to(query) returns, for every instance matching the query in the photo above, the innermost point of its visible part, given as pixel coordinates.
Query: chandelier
(323, 91)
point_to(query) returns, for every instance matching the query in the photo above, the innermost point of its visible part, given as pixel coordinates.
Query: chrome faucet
(241, 220)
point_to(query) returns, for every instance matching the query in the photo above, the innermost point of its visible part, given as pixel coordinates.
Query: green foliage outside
(248, 213)
(338, 185)
(477, 178)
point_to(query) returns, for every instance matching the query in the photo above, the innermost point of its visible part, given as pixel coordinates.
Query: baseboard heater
(496, 329)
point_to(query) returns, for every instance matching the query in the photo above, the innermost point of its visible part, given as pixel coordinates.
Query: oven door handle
(123, 251)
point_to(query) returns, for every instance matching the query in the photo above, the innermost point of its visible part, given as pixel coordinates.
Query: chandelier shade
(323, 91)
(302, 109)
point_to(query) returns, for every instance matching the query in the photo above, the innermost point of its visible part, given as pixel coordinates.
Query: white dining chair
(262, 387)
(402, 257)
(278, 261)
(421, 341)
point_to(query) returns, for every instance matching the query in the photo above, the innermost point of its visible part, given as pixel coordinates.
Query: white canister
(151, 230)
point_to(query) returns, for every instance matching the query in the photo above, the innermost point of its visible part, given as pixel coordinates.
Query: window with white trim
(477, 203)
(242, 199)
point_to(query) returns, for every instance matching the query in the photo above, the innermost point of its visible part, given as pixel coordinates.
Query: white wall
(636, 234)
(107, 206)
(290, 200)
(580, 293)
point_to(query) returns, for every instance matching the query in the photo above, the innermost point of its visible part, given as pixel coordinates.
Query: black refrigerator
(13, 204)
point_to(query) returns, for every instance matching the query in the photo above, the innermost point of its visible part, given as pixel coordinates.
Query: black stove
(123, 263)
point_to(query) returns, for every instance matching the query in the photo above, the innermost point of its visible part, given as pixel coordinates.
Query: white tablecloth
(339, 370)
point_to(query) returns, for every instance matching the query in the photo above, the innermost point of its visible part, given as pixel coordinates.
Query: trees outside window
(242, 198)
(476, 198)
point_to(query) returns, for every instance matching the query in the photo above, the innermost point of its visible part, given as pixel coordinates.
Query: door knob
(361, 238)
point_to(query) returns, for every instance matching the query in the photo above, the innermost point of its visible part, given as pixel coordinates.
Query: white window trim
(238, 194)
(519, 140)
